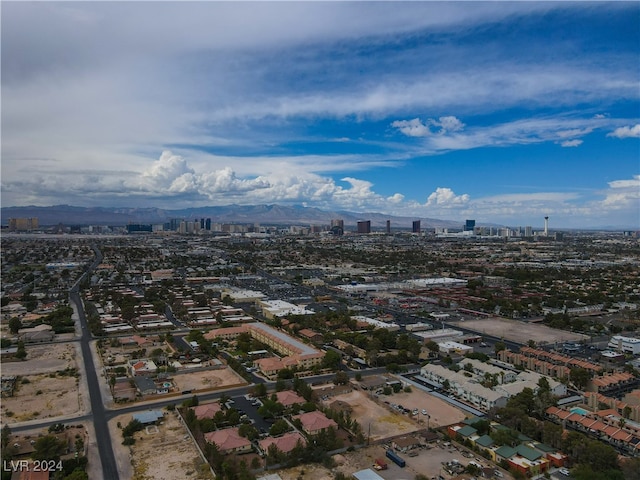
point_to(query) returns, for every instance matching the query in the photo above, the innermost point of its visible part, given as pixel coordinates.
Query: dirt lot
(440, 412)
(179, 459)
(208, 379)
(43, 359)
(384, 423)
(520, 332)
(427, 462)
(43, 396)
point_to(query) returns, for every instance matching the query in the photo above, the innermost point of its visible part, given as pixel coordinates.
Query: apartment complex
(296, 353)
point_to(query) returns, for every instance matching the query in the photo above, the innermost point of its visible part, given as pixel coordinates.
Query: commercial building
(416, 226)
(23, 224)
(625, 344)
(364, 226)
(376, 324)
(279, 308)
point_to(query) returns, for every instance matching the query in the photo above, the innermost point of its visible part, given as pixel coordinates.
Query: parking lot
(250, 409)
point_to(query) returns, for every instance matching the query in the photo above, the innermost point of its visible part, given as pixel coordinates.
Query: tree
(259, 390)
(331, 360)
(279, 427)
(499, 346)
(21, 353)
(49, 448)
(14, 325)
(579, 377)
(341, 378)
(5, 435)
(248, 431)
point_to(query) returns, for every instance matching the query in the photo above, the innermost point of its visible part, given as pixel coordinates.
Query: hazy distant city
(320, 241)
(267, 350)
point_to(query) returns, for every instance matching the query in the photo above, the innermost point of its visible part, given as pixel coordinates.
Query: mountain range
(263, 214)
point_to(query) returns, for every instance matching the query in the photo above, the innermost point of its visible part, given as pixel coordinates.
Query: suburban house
(207, 410)
(142, 367)
(314, 422)
(311, 335)
(149, 418)
(37, 334)
(289, 397)
(284, 443)
(404, 444)
(145, 385)
(228, 440)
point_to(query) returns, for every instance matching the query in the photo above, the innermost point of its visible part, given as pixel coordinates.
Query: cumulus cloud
(571, 143)
(626, 132)
(448, 124)
(445, 197)
(623, 193)
(416, 128)
(412, 128)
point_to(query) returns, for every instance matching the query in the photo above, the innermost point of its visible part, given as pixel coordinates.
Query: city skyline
(500, 112)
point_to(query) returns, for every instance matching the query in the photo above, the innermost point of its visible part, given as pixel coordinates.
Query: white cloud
(575, 132)
(412, 128)
(623, 194)
(445, 197)
(626, 132)
(415, 127)
(448, 124)
(571, 143)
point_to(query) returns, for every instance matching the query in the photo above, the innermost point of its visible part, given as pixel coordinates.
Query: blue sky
(501, 111)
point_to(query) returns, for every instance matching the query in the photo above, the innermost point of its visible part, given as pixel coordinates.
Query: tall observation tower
(546, 226)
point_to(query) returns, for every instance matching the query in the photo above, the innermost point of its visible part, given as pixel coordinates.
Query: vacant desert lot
(521, 332)
(208, 379)
(440, 412)
(181, 459)
(44, 396)
(375, 419)
(43, 359)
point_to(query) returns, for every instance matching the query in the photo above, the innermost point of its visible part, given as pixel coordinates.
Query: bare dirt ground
(383, 422)
(45, 396)
(164, 452)
(43, 359)
(427, 462)
(207, 379)
(440, 412)
(520, 332)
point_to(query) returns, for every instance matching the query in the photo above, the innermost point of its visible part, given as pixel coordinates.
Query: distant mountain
(264, 214)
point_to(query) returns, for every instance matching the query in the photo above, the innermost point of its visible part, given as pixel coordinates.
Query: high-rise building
(416, 226)
(469, 225)
(388, 227)
(337, 227)
(207, 224)
(364, 226)
(139, 228)
(22, 224)
(546, 226)
(528, 231)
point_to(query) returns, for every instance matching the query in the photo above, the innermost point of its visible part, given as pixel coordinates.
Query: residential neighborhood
(222, 338)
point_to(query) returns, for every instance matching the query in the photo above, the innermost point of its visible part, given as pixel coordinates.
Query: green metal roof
(484, 441)
(528, 453)
(467, 431)
(506, 452)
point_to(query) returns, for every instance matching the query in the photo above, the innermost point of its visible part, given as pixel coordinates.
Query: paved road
(103, 437)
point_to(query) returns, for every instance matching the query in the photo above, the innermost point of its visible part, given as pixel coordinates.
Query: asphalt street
(103, 437)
